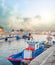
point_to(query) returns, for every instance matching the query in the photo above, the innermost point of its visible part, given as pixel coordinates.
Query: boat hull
(18, 58)
(24, 36)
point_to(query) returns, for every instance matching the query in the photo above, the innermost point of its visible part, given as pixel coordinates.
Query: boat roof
(32, 42)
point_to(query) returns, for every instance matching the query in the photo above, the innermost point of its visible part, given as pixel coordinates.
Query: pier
(46, 58)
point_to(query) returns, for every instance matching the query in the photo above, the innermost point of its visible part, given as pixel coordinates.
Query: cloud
(14, 22)
(32, 17)
(15, 9)
(25, 23)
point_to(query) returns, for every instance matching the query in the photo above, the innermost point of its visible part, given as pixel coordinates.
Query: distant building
(1, 29)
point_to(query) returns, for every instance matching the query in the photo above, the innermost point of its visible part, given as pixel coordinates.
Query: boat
(53, 41)
(18, 37)
(10, 38)
(25, 36)
(2, 39)
(29, 53)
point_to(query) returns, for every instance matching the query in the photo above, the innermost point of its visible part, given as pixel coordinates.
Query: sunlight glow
(46, 16)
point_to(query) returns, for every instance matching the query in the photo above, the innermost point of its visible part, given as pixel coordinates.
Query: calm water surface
(8, 48)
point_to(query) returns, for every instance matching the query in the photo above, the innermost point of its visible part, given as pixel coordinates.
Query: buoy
(28, 53)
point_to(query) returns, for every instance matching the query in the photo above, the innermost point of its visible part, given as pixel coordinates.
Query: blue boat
(18, 37)
(25, 36)
(9, 38)
(53, 41)
(29, 53)
(2, 39)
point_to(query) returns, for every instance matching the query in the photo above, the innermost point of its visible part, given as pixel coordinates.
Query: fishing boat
(53, 41)
(10, 38)
(2, 39)
(18, 37)
(25, 36)
(29, 53)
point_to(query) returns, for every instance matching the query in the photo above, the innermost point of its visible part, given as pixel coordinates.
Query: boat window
(36, 46)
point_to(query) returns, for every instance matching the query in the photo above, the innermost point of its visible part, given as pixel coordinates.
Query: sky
(27, 14)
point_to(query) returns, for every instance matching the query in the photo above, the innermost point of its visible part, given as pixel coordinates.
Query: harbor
(13, 46)
(27, 32)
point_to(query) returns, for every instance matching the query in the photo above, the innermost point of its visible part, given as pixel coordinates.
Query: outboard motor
(6, 39)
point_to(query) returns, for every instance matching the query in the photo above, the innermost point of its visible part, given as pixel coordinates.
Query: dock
(46, 58)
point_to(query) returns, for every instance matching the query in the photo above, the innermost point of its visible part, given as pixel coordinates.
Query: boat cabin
(28, 52)
(33, 44)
